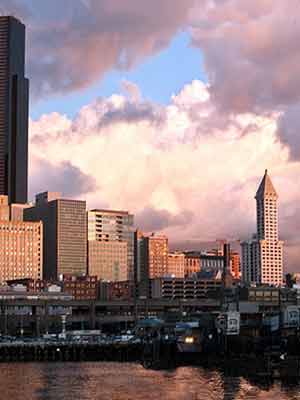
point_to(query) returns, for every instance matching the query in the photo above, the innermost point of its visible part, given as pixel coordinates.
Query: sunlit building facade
(21, 250)
(262, 257)
(111, 232)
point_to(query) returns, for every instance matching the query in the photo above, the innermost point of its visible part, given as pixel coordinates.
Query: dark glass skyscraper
(13, 111)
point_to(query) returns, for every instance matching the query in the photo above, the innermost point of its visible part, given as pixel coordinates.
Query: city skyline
(195, 179)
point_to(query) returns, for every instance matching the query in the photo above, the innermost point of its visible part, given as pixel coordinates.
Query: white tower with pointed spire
(262, 257)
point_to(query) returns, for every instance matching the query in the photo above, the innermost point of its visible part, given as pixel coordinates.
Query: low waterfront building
(81, 287)
(186, 289)
(114, 291)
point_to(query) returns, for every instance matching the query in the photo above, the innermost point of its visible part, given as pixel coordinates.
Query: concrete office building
(176, 264)
(11, 212)
(152, 260)
(209, 261)
(235, 264)
(262, 257)
(115, 228)
(65, 234)
(191, 264)
(186, 289)
(108, 261)
(21, 247)
(13, 111)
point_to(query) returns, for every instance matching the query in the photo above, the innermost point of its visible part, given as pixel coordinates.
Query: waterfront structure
(185, 289)
(80, 287)
(13, 111)
(111, 231)
(262, 256)
(21, 250)
(114, 291)
(108, 260)
(176, 264)
(65, 234)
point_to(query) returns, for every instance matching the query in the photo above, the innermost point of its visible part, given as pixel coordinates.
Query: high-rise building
(152, 260)
(115, 230)
(13, 111)
(65, 234)
(21, 246)
(262, 257)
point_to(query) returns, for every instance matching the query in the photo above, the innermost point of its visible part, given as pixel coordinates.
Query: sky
(170, 109)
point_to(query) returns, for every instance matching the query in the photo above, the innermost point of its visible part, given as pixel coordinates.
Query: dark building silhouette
(13, 111)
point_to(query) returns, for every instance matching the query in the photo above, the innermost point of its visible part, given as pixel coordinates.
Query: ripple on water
(113, 381)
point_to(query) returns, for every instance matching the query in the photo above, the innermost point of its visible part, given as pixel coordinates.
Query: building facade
(115, 291)
(186, 289)
(108, 260)
(235, 264)
(176, 264)
(191, 264)
(21, 250)
(152, 260)
(65, 234)
(114, 227)
(81, 287)
(262, 257)
(13, 111)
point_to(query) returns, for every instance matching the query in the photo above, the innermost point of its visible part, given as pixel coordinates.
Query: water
(113, 381)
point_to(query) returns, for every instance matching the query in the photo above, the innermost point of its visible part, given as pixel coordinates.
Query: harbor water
(114, 381)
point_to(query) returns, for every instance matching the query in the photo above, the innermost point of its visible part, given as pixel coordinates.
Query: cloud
(250, 49)
(151, 220)
(190, 176)
(132, 90)
(250, 52)
(288, 130)
(73, 44)
(252, 60)
(61, 177)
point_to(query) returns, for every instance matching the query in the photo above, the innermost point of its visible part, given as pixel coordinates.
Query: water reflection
(113, 381)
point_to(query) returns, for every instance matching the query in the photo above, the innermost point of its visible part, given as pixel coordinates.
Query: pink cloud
(175, 176)
(73, 44)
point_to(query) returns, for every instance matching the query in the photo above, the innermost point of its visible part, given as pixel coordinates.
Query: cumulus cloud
(250, 49)
(60, 177)
(73, 44)
(288, 130)
(250, 52)
(177, 178)
(252, 58)
(151, 220)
